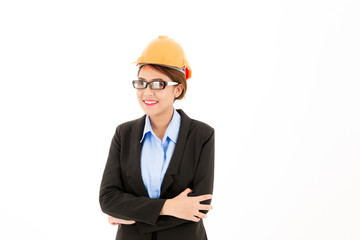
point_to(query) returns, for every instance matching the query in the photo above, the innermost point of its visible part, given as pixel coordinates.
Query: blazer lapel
(177, 154)
(134, 169)
(133, 166)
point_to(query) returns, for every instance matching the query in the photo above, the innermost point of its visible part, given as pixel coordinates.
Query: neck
(160, 123)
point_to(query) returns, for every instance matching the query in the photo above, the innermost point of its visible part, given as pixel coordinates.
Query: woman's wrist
(166, 208)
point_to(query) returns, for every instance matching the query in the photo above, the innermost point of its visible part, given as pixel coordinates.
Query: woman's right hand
(185, 207)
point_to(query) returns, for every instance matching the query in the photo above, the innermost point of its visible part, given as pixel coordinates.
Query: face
(156, 103)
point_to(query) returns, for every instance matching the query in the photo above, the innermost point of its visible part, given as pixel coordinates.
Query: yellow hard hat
(165, 51)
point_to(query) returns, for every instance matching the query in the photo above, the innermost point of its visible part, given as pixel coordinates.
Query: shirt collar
(172, 130)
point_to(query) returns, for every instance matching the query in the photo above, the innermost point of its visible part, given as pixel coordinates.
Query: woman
(158, 179)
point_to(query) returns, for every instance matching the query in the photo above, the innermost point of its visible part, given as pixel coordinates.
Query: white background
(278, 80)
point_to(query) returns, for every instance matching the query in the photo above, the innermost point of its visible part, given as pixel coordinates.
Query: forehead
(148, 73)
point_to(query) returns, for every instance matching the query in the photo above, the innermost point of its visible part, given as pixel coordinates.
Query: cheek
(139, 94)
(169, 96)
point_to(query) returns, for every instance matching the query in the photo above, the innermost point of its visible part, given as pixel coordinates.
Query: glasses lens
(158, 85)
(139, 84)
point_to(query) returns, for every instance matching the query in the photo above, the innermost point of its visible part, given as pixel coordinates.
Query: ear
(178, 90)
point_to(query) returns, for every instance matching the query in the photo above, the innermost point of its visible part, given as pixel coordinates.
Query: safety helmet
(165, 51)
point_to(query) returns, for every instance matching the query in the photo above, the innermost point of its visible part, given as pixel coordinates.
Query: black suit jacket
(123, 194)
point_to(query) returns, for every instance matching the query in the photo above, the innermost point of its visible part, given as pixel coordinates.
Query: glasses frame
(151, 86)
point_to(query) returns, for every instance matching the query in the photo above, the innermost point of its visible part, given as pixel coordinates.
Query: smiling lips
(150, 102)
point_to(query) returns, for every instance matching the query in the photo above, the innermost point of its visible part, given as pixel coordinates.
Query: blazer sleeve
(202, 184)
(204, 176)
(114, 201)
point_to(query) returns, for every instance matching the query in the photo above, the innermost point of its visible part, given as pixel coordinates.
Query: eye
(158, 84)
(139, 84)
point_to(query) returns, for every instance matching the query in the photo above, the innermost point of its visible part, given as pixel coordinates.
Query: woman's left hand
(117, 221)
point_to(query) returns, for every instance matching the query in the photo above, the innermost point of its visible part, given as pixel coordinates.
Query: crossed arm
(156, 214)
(182, 206)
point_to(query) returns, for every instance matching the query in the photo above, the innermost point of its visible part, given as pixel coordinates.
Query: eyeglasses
(154, 85)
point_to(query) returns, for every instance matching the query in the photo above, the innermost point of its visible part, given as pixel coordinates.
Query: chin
(150, 111)
(155, 110)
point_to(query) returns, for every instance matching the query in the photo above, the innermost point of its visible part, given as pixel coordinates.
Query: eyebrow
(152, 80)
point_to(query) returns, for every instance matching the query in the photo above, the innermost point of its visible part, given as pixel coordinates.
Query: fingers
(117, 221)
(198, 198)
(111, 220)
(205, 207)
(198, 216)
(128, 222)
(195, 219)
(201, 198)
(201, 215)
(186, 192)
(204, 197)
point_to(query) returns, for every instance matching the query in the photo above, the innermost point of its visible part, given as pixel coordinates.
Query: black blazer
(123, 194)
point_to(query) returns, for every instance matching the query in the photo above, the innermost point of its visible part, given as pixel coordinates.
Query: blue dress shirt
(156, 154)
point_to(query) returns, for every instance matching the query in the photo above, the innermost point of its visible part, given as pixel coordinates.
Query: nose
(148, 90)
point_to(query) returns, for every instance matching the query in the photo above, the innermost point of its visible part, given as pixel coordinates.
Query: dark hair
(173, 74)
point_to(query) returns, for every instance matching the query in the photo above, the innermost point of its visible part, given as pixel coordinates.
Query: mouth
(150, 102)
